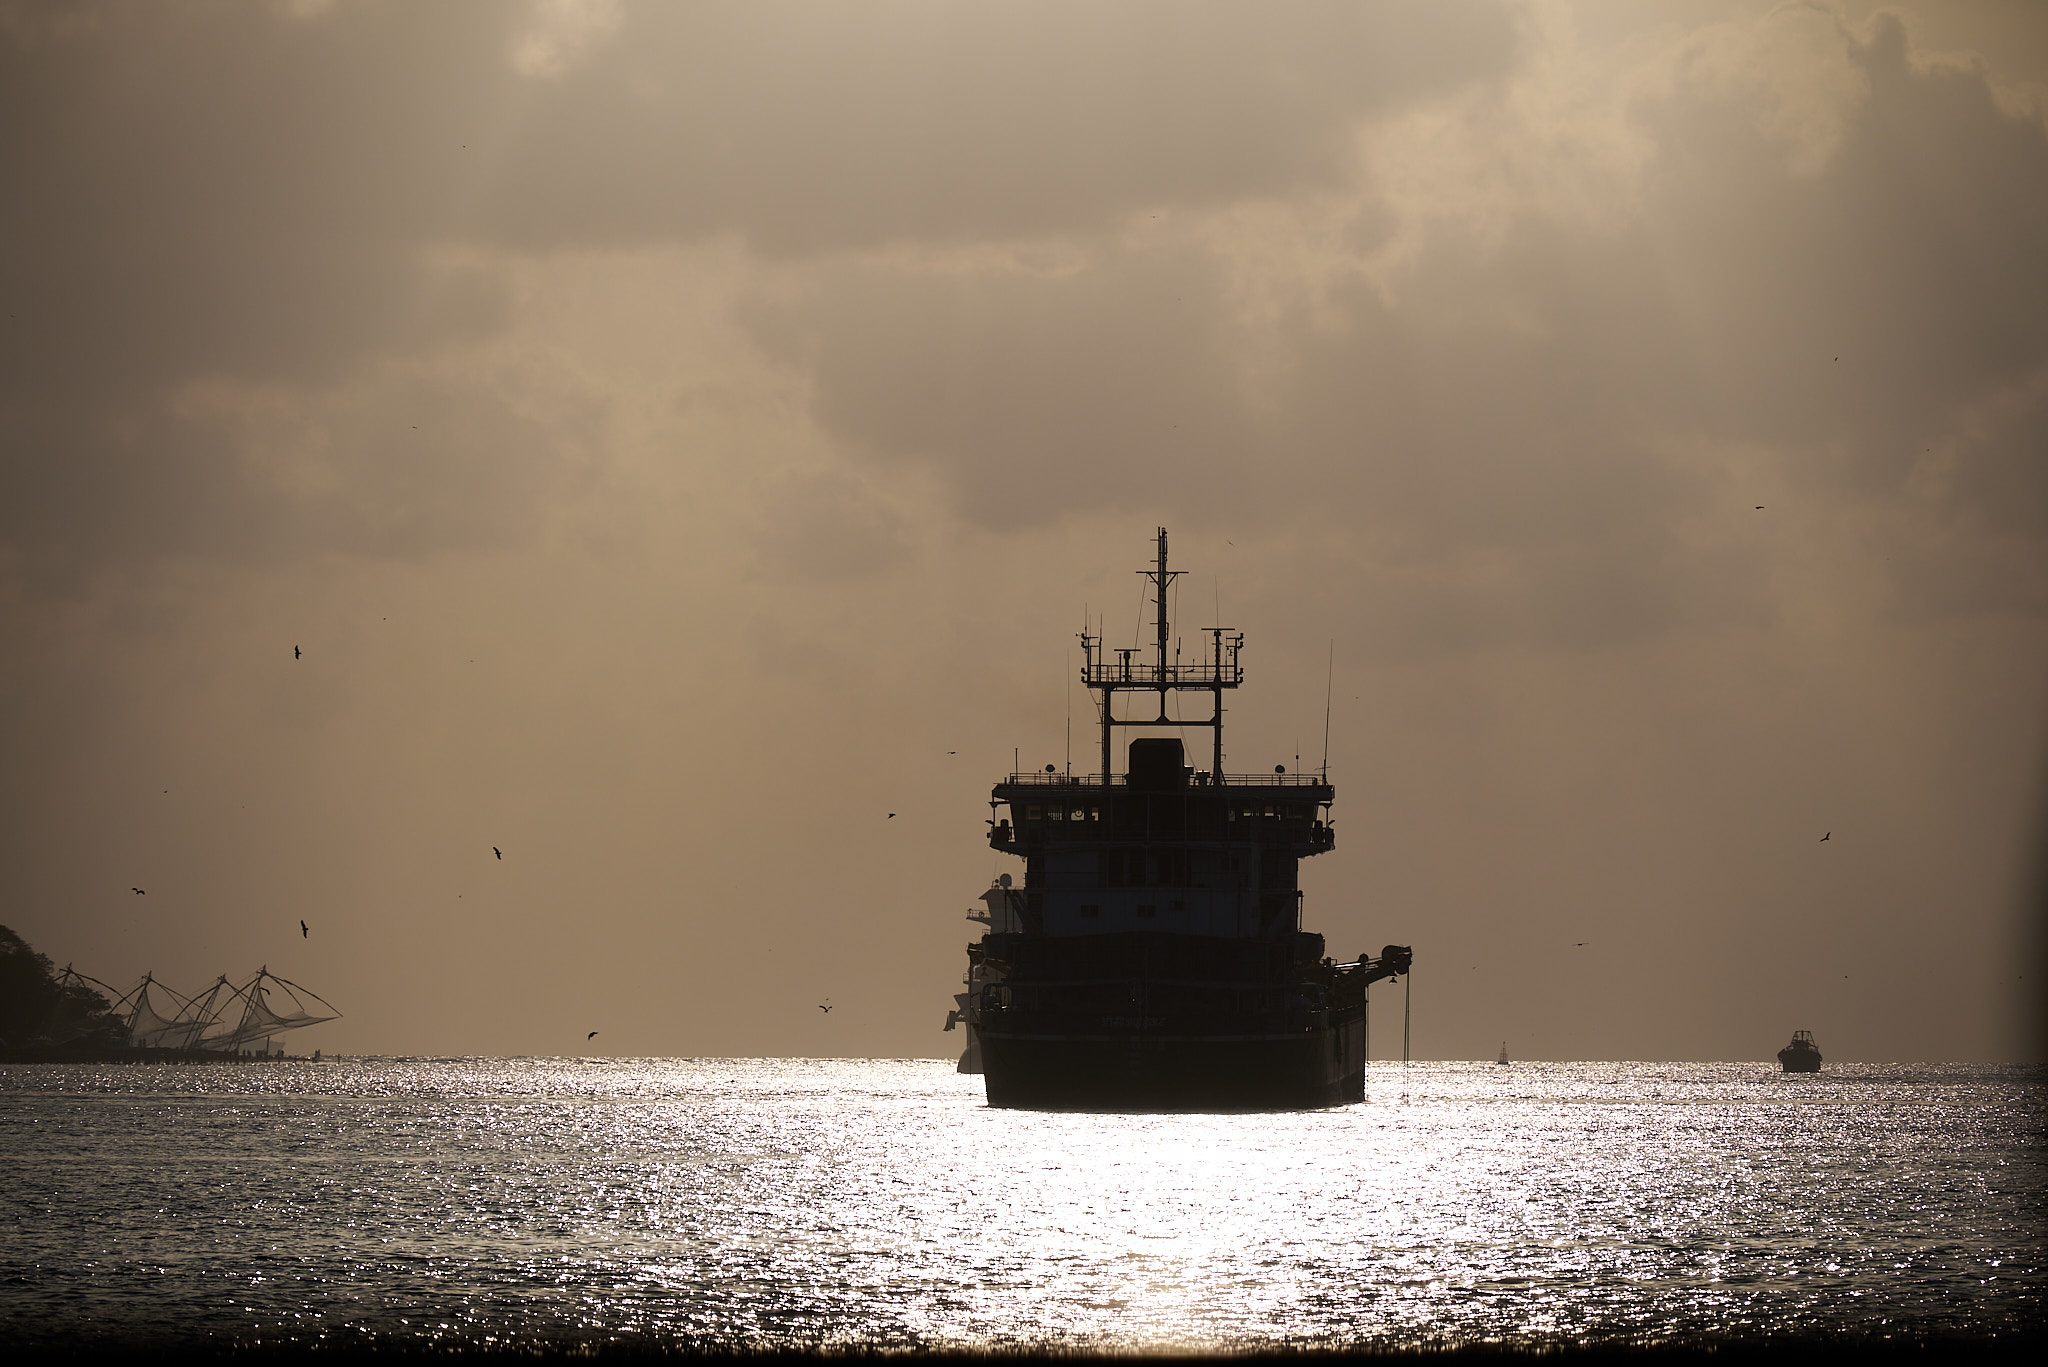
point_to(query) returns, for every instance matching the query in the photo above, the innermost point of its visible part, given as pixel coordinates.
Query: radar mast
(1218, 671)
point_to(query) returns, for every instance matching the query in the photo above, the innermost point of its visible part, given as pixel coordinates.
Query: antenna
(1176, 617)
(1162, 580)
(1329, 682)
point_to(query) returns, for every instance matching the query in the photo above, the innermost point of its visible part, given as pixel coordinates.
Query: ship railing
(1201, 779)
(1268, 1015)
(1155, 676)
(1124, 979)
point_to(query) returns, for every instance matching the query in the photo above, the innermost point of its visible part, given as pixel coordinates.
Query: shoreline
(72, 1054)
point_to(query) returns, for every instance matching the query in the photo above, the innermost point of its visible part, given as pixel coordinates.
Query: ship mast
(1160, 578)
(1211, 676)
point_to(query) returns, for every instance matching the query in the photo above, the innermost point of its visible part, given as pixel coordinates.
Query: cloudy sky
(678, 436)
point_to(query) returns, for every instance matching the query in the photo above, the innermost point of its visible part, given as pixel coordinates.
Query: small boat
(1802, 1055)
(1503, 1053)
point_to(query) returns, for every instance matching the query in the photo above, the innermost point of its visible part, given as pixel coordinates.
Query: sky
(660, 441)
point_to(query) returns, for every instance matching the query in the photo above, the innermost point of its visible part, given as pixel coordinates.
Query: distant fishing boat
(1802, 1055)
(1503, 1053)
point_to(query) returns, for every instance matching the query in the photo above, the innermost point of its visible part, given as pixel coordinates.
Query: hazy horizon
(659, 442)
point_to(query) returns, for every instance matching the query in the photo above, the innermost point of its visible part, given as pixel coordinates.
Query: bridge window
(1090, 911)
(1109, 868)
(1169, 869)
(1148, 910)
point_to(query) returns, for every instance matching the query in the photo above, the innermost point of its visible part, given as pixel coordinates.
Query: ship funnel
(1158, 763)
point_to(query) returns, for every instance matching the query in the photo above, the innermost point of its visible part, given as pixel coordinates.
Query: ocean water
(813, 1203)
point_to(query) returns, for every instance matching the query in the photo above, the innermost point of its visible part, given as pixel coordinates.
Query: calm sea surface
(804, 1203)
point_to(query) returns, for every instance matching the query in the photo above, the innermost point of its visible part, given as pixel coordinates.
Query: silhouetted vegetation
(38, 1008)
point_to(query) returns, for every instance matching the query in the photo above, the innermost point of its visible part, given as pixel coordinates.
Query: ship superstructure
(1154, 956)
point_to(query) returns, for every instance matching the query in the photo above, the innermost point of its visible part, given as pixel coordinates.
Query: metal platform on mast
(1217, 671)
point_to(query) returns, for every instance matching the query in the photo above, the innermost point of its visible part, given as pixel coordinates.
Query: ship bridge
(1162, 846)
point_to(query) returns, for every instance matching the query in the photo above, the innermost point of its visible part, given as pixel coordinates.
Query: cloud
(560, 33)
(1472, 278)
(207, 200)
(813, 127)
(1573, 382)
(1032, 391)
(830, 527)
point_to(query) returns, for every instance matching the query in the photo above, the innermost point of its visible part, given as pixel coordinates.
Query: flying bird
(495, 850)
(1824, 837)
(295, 652)
(304, 934)
(825, 1007)
(1759, 507)
(892, 816)
(589, 1037)
(137, 891)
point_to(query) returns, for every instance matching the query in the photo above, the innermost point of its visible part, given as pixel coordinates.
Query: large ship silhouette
(1153, 958)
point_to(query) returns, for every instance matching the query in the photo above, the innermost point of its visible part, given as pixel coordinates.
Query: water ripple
(783, 1203)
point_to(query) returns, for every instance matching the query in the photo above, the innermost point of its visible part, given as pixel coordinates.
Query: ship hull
(1307, 1069)
(1799, 1060)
